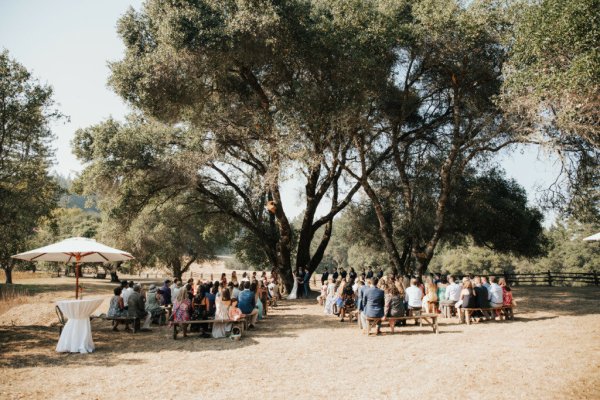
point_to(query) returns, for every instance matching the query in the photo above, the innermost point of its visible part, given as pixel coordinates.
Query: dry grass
(12, 296)
(550, 351)
(25, 275)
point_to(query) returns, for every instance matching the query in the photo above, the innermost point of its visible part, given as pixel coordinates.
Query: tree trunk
(8, 273)
(176, 268)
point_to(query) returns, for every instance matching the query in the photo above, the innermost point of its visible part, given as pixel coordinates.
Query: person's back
(414, 296)
(166, 294)
(481, 297)
(374, 302)
(495, 295)
(246, 301)
(396, 306)
(136, 305)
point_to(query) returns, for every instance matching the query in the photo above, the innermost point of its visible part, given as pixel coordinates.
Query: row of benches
(465, 314)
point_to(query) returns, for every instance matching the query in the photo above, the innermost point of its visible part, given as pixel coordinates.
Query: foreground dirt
(552, 350)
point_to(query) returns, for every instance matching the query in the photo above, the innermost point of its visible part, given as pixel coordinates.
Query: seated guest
(348, 301)
(224, 279)
(127, 290)
(374, 301)
(235, 292)
(429, 300)
(394, 305)
(117, 309)
(136, 308)
(263, 294)
(175, 287)
(247, 303)
(452, 293)
(481, 294)
(182, 308)
(257, 301)
(467, 296)
(495, 293)
(199, 310)
(273, 292)
(484, 283)
(507, 298)
(166, 293)
(224, 302)
(153, 303)
(413, 296)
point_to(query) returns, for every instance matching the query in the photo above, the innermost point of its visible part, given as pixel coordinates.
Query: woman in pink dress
(181, 309)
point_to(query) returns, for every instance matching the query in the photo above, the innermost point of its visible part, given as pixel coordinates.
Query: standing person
(306, 282)
(166, 293)
(175, 288)
(137, 308)
(335, 274)
(234, 278)
(330, 299)
(324, 277)
(223, 280)
(300, 281)
(379, 273)
(370, 272)
(343, 273)
(352, 275)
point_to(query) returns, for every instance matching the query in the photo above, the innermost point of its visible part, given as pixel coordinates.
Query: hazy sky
(67, 45)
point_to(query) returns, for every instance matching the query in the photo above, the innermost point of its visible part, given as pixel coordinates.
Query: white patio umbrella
(595, 237)
(76, 249)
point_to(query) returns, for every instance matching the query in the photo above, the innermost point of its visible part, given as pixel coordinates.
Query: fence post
(549, 278)
(596, 278)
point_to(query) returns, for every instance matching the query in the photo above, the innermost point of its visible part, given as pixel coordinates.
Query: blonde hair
(432, 291)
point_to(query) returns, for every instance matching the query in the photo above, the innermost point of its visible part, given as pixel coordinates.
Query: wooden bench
(488, 313)
(126, 320)
(430, 319)
(242, 323)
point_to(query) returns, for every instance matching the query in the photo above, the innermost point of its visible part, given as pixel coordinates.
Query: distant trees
(27, 191)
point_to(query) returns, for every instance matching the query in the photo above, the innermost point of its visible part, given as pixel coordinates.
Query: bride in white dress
(294, 291)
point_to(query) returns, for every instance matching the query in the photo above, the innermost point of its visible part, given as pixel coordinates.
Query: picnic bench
(504, 312)
(116, 320)
(241, 323)
(430, 319)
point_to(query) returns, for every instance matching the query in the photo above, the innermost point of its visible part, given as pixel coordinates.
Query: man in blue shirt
(166, 293)
(373, 302)
(247, 303)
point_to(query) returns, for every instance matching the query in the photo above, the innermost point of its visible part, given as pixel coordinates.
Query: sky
(68, 44)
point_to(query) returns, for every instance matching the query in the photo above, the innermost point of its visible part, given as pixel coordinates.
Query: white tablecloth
(76, 336)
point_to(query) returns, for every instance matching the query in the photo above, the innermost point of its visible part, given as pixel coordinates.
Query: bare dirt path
(552, 350)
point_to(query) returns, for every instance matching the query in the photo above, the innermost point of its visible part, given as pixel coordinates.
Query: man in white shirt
(127, 290)
(452, 294)
(495, 291)
(413, 297)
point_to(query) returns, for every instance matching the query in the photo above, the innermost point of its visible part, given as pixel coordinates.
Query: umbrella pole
(78, 257)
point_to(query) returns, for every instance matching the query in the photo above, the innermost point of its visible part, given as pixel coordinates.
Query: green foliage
(27, 191)
(552, 86)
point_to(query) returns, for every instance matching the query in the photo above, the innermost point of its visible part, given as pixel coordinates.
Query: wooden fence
(553, 278)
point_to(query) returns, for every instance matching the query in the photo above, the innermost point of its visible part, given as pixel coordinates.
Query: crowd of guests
(373, 295)
(220, 300)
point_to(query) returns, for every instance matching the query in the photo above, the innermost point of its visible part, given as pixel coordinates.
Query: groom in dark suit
(373, 301)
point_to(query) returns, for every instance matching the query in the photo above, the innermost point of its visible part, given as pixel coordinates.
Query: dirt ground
(550, 351)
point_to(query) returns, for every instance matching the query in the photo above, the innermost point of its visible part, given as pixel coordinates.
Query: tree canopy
(27, 191)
